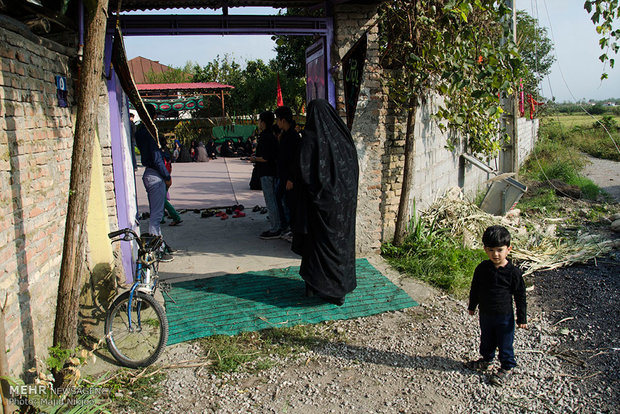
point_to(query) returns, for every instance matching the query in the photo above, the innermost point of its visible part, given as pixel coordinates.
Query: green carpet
(229, 304)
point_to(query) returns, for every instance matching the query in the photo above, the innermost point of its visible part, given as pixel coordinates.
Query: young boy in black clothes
(495, 283)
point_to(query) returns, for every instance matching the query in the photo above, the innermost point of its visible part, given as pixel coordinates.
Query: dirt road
(605, 174)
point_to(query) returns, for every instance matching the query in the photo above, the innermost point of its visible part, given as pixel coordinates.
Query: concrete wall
(36, 143)
(527, 134)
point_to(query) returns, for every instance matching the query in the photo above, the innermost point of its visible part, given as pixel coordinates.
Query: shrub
(607, 122)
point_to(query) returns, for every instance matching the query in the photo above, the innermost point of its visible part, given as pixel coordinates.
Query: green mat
(234, 303)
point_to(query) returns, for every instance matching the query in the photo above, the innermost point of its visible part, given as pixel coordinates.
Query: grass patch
(596, 142)
(256, 351)
(539, 199)
(584, 133)
(435, 257)
(557, 156)
(136, 391)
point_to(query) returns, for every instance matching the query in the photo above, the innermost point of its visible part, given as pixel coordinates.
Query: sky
(577, 71)
(177, 50)
(574, 76)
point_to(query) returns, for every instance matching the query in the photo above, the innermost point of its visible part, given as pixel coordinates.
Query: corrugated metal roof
(182, 86)
(129, 5)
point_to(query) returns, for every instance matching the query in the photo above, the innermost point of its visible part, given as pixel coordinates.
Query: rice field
(582, 120)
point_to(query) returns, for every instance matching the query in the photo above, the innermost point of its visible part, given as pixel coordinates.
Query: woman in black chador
(326, 191)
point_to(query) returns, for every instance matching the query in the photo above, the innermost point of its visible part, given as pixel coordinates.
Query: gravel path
(411, 361)
(605, 174)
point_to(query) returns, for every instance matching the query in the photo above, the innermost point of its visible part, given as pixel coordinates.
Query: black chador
(326, 195)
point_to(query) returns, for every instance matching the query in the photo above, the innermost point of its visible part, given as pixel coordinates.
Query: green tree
(222, 70)
(290, 63)
(536, 50)
(451, 48)
(174, 75)
(605, 16)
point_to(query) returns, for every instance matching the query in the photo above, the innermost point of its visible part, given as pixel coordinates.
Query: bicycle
(136, 328)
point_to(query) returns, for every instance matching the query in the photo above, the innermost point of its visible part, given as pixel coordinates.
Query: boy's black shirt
(493, 288)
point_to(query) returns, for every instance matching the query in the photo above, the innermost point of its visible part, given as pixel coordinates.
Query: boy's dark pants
(498, 331)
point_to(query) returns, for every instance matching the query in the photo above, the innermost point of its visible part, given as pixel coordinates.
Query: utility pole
(509, 157)
(72, 265)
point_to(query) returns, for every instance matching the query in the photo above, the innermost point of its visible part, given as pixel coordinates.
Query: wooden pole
(222, 99)
(72, 265)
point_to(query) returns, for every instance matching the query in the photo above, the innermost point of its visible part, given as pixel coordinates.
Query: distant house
(140, 67)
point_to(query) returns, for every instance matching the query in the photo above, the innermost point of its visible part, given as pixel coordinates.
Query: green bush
(608, 122)
(432, 255)
(558, 170)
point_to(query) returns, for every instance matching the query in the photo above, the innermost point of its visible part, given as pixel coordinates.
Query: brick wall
(36, 141)
(368, 132)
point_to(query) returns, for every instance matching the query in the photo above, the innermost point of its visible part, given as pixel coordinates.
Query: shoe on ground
(288, 236)
(175, 222)
(479, 365)
(269, 235)
(256, 208)
(224, 216)
(238, 214)
(166, 257)
(264, 210)
(500, 377)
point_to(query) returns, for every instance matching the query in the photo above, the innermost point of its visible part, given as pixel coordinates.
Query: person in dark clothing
(250, 145)
(324, 228)
(265, 159)
(211, 149)
(288, 166)
(192, 151)
(227, 150)
(156, 177)
(496, 281)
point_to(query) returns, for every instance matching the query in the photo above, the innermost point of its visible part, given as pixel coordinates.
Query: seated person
(201, 153)
(227, 150)
(211, 149)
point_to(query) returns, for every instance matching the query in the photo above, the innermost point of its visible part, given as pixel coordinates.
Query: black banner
(353, 66)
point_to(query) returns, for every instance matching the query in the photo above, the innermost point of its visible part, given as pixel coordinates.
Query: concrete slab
(207, 247)
(217, 183)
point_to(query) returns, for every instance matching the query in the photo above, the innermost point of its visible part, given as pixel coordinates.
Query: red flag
(279, 101)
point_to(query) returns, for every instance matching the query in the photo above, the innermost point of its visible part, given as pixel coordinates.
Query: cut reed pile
(536, 242)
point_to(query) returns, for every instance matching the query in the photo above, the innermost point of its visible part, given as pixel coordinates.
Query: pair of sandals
(262, 210)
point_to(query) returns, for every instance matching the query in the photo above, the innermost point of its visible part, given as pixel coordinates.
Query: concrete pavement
(207, 247)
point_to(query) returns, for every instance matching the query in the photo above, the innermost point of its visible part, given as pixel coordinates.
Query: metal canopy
(129, 5)
(166, 25)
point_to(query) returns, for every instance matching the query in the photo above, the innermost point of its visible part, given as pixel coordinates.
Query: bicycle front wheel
(136, 337)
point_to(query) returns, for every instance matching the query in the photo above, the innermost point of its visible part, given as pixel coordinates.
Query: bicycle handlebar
(148, 244)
